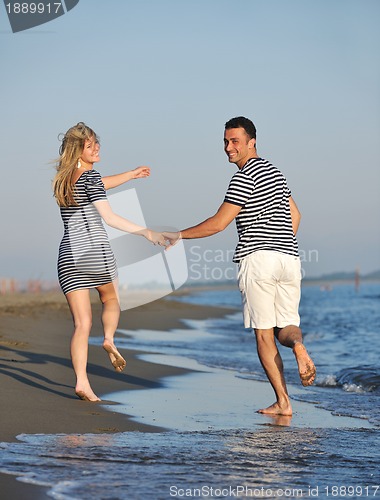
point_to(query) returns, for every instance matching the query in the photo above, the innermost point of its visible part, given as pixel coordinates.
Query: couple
(269, 276)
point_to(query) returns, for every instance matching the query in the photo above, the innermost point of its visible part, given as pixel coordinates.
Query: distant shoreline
(189, 287)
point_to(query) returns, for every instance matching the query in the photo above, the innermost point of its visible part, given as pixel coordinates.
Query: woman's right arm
(118, 222)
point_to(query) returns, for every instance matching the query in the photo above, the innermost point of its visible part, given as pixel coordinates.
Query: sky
(158, 79)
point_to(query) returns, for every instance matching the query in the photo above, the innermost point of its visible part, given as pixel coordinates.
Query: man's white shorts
(270, 286)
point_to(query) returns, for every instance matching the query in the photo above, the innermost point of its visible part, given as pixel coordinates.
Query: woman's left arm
(112, 181)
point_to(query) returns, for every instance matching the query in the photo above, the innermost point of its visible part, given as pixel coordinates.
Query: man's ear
(252, 144)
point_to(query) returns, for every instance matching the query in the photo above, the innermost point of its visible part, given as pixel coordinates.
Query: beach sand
(37, 395)
(37, 392)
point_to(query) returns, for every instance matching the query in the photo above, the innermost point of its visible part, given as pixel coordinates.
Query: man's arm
(112, 181)
(218, 222)
(295, 214)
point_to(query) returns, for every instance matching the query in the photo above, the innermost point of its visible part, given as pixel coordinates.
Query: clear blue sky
(157, 79)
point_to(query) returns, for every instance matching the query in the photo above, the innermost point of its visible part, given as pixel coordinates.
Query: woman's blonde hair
(69, 153)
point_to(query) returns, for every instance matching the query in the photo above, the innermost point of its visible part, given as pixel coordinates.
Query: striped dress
(85, 258)
(264, 222)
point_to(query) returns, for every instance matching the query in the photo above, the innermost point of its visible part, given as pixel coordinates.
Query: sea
(212, 442)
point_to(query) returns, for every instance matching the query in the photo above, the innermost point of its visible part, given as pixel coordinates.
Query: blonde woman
(85, 259)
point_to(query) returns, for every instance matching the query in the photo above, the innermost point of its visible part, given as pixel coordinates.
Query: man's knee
(287, 330)
(264, 335)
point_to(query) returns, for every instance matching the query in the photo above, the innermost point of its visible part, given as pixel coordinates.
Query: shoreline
(36, 357)
(35, 332)
(38, 386)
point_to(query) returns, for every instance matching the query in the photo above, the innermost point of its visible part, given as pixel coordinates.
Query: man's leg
(288, 295)
(258, 278)
(291, 336)
(272, 363)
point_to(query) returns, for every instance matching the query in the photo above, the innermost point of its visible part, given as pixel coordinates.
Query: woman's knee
(107, 292)
(80, 307)
(83, 323)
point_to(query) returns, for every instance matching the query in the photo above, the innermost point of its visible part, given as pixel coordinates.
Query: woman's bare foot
(86, 393)
(276, 409)
(116, 358)
(306, 367)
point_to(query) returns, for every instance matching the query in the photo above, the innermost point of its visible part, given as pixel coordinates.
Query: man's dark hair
(242, 122)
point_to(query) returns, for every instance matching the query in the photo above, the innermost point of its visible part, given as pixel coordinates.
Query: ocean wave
(364, 378)
(328, 381)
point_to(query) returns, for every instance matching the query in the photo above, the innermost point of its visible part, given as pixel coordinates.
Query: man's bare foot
(116, 358)
(306, 367)
(276, 409)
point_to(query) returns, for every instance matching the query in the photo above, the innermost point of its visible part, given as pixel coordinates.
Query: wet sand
(37, 392)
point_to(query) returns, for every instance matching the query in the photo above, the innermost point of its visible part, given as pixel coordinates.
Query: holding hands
(155, 237)
(171, 238)
(165, 239)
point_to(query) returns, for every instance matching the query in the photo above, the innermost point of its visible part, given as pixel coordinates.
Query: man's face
(238, 146)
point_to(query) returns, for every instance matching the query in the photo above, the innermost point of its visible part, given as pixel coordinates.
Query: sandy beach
(37, 378)
(157, 392)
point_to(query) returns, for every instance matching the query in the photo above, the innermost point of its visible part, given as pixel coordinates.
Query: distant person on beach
(85, 258)
(269, 276)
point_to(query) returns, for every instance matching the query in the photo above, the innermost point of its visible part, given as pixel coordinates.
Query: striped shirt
(85, 258)
(264, 222)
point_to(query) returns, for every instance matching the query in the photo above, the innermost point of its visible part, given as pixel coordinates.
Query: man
(269, 277)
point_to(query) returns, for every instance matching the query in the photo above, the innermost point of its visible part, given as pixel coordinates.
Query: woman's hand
(155, 237)
(140, 172)
(171, 237)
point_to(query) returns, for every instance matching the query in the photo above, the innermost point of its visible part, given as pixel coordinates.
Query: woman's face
(90, 153)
